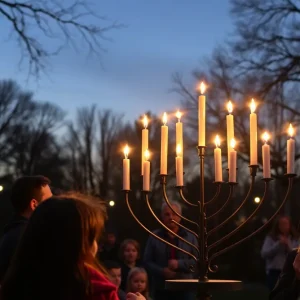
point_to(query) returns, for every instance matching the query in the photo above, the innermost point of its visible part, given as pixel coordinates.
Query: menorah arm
(229, 235)
(187, 229)
(215, 197)
(164, 189)
(231, 188)
(237, 210)
(153, 234)
(165, 227)
(290, 178)
(180, 190)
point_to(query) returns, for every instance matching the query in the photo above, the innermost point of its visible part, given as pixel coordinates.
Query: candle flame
(126, 151)
(145, 121)
(232, 143)
(229, 106)
(202, 87)
(147, 154)
(291, 130)
(178, 115)
(178, 149)
(165, 118)
(252, 106)
(265, 136)
(217, 141)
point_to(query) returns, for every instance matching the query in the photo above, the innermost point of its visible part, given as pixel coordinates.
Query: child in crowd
(129, 255)
(137, 282)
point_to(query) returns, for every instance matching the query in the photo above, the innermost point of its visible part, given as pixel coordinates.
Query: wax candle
(266, 156)
(230, 128)
(201, 115)
(179, 135)
(291, 151)
(218, 160)
(179, 166)
(253, 134)
(164, 147)
(146, 177)
(126, 170)
(233, 158)
(145, 139)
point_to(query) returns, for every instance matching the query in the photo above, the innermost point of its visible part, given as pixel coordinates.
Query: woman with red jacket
(56, 255)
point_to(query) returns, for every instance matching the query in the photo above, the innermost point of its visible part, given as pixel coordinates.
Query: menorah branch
(187, 229)
(180, 191)
(215, 197)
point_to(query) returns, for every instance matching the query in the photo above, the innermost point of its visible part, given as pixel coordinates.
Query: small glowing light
(217, 141)
(232, 143)
(230, 107)
(178, 149)
(145, 121)
(126, 151)
(291, 130)
(178, 115)
(252, 106)
(111, 203)
(1, 188)
(202, 87)
(265, 136)
(257, 200)
(165, 118)
(147, 154)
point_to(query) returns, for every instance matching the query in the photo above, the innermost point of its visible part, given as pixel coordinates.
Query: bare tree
(35, 23)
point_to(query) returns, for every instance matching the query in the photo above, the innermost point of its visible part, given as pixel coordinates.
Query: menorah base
(203, 288)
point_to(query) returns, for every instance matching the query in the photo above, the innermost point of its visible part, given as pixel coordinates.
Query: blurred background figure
(109, 249)
(137, 282)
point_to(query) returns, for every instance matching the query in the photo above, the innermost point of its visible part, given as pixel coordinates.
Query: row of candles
(231, 143)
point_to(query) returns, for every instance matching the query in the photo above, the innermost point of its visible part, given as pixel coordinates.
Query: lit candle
(230, 128)
(253, 134)
(201, 115)
(164, 147)
(179, 136)
(144, 142)
(291, 151)
(232, 167)
(266, 156)
(126, 170)
(146, 177)
(218, 160)
(179, 166)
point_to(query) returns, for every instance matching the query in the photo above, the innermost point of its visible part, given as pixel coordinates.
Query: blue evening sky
(161, 37)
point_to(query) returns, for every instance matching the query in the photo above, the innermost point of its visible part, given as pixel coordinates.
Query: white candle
(126, 170)
(266, 156)
(230, 129)
(145, 139)
(146, 177)
(253, 134)
(291, 151)
(218, 160)
(179, 135)
(201, 115)
(179, 166)
(232, 167)
(164, 147)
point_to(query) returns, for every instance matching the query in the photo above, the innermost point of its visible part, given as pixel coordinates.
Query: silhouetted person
(27, 192)
(110, 248)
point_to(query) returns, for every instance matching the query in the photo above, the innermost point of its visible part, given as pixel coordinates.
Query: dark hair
(125, 243)
(274, 233)
(52, 259)
(25, 189)
(111, 264)
(133, 272)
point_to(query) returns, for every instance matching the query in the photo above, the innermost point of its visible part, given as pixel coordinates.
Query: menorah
(207, 253)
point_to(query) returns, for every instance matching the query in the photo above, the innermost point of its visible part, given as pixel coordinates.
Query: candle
(179, 166)
(266, 156)
(179, 137)
(146, 177)
(291, 151)
(253, 134)
(126, 170)
(230, 128)
(201, 115)
(232, 167)
(164, 147)
(144, 142)
(218, 160)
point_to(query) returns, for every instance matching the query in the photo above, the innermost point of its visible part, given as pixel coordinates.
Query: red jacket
(103, 289)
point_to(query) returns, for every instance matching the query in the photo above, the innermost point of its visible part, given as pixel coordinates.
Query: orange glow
(217, 141)
(178, 149)
(126, 151)
(147, 154)
(165, 118)
(202, 87)
(178, 115)
(266, 136)
(232, 143)
(291, 130)
(230, 107)
(252, 106)
(145, 121)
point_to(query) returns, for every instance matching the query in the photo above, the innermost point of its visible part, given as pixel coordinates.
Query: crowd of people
(51, 250)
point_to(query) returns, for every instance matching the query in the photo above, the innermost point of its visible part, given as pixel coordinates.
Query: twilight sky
(161, 37)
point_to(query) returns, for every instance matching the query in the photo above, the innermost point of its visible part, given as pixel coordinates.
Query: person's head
(58, 244)
(129, 251)
(114, 270)
(137, 281)
(110, 236)
(28, 192)
(282, 226)
(167, 215)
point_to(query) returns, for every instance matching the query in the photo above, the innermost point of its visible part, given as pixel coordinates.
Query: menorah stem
(202, 240)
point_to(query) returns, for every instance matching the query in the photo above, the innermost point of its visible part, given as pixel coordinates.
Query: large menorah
(206, 253)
